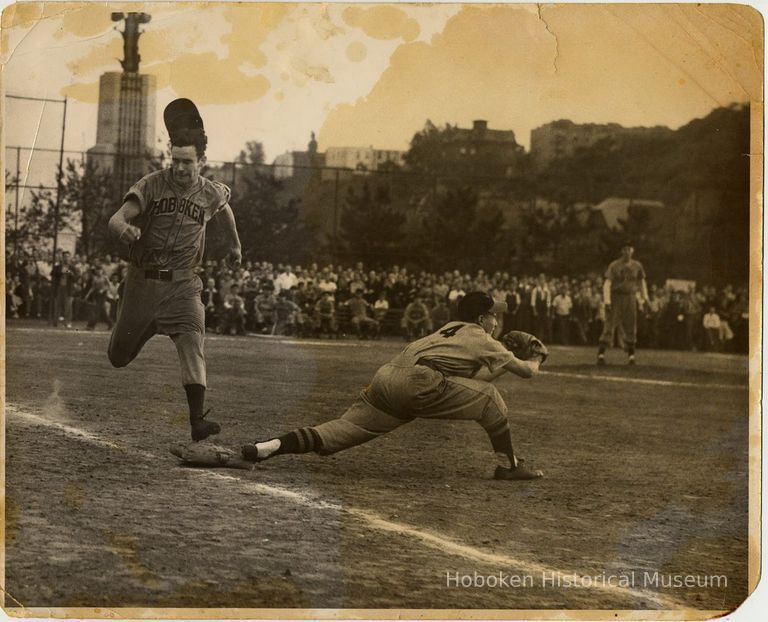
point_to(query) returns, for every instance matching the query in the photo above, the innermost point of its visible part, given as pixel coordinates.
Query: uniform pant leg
(628, 310)
(422, 392)
(135, 323)
(606, 339)
(397, 395)
(466, 399)
(362, 422)
(181, 316)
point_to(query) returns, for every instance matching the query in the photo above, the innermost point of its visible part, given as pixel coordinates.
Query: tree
(11, 234)
(458, 234)
(370, 227)
(88, 196)
(269, 227)
(36, 220)
(705, 162)
(252, 154)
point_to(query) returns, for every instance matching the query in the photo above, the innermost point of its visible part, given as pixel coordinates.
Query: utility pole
(60, 179)
(16, 209)
(335, 214)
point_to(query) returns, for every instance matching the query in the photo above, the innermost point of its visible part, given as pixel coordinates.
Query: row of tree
(434, 215)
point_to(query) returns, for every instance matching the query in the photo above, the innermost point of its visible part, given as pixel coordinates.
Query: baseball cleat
(600, 360)
(518, 473)
(631, 360)
(202, 429)
(251, 453)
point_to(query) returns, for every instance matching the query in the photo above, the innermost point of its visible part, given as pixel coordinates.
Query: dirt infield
(643, 475)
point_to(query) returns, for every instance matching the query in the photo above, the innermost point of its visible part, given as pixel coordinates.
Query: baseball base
(210, 456)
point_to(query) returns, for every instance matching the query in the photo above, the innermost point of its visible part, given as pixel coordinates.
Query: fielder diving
(445, 375)
(163, 220)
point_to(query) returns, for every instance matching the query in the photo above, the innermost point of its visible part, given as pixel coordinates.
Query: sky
(360, 75)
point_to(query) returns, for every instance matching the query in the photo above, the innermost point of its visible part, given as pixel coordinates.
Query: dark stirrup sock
(300, 441)
(195, 399)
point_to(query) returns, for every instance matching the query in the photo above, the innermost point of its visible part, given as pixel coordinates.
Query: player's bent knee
(118, 358)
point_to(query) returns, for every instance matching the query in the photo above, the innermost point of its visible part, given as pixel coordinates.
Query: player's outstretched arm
(120, 226)
(235, 255)
(524, 369)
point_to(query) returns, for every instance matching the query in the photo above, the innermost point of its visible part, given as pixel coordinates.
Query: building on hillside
(360, 160)
(478, 150)
(298, 164)
(125, 130)
(479, 140)
(561, 139)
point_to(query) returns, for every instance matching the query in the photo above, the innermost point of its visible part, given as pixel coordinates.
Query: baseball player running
(623, 278)
(163, 219)
(436, 377)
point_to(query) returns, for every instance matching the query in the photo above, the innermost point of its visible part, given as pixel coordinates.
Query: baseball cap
(477, 303)
(181, 114)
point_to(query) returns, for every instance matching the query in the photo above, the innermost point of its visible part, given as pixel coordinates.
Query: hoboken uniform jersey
(625, 276)
(173, 220)
(457, 349)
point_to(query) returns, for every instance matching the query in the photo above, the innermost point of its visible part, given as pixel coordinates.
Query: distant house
(359, 159)
(562, 138)
(478, 150)
(298, 164)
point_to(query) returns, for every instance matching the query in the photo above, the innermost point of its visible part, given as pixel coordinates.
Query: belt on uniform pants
(168, 275)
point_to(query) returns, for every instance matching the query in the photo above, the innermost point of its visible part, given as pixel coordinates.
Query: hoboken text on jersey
(170, 205)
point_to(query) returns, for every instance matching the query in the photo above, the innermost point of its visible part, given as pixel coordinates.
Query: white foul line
(662, 383)
(373, 520)
(90, 437)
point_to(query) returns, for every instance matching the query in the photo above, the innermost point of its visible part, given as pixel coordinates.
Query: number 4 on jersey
(450, 332)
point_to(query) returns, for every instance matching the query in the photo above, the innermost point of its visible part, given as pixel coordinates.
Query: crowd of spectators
(335, 300)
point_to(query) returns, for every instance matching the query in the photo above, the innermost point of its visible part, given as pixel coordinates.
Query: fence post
(59, 180)
(335, 214)
(16, 209)
(432, 241)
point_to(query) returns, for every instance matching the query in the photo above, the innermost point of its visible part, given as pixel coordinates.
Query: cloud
(251, 25)
(356, 52)
(633, 64)
(304, 71)
(172, 50)
(86, 20)
(382, 22)
(154, 47)
(207, 79)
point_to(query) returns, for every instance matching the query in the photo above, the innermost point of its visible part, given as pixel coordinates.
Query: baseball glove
(524, 345)
(209, 455)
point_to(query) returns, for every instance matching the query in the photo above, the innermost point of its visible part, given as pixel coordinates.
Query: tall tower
(125, 132)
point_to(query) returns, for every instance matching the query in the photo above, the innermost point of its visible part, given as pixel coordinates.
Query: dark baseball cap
(181, 114)
(478, 303)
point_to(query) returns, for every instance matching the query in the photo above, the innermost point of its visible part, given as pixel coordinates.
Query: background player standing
(623, 279)
(163, 219)
(436, 377)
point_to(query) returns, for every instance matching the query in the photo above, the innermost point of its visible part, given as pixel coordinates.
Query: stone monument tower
(125, 132)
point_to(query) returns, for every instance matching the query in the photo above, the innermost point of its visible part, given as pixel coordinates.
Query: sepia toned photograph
(370, 311)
